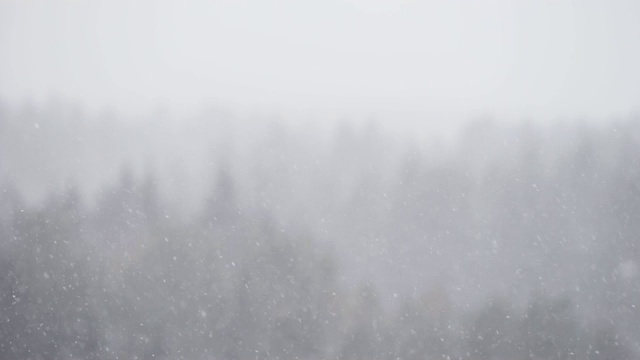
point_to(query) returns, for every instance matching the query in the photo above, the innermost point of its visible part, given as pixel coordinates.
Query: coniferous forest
(216, 236)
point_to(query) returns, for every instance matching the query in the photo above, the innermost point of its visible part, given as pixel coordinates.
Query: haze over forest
(319, 180)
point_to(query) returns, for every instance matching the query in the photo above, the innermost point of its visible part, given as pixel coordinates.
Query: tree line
(519, 243)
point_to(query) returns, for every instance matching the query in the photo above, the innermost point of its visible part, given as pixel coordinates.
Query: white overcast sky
(503, 57)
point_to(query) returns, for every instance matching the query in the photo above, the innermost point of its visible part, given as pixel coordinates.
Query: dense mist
(218, 236)
(319, 179)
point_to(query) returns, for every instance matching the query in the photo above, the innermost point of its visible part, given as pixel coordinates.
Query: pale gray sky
(537, 58)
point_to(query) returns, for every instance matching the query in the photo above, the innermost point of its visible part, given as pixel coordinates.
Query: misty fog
(319, 180)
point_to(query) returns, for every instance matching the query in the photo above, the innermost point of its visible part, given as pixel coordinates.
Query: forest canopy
(249, 238)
